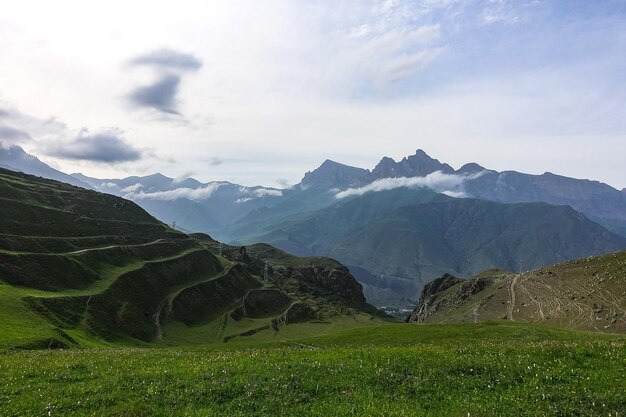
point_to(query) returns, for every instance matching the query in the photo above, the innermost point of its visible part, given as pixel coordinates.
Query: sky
(259, 92)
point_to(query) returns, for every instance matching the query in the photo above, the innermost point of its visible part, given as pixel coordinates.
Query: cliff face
(319, 277)
(427, 302)
(449, 293)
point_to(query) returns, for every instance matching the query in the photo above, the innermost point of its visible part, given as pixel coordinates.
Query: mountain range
(401, 224)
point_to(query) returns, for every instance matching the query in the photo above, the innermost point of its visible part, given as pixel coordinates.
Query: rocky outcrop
(332, 174)
(418, 165)
(432, 299)
(426, 305)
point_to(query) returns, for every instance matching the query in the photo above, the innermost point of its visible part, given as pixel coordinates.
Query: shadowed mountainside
(402, 239)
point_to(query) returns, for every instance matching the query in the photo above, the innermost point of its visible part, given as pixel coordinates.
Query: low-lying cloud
(258, 193)
(265, 192)
(449, 184)
(198, 194)
(107, 147)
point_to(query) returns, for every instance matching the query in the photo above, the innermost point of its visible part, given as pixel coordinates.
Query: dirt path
(512, 294)
(475, 313)
(76, 252)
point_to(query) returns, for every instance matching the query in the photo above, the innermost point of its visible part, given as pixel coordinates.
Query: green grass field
(494, 369)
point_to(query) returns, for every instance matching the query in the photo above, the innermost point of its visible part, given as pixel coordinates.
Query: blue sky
(260, 92)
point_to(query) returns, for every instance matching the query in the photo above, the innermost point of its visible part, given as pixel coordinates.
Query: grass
(384, 370)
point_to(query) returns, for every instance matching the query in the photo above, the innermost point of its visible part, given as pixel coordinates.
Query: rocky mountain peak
(417, 165)
(471, 168)
(333, 174)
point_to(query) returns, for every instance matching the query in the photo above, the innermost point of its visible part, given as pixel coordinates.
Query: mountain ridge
(581, 294)
(405, 238)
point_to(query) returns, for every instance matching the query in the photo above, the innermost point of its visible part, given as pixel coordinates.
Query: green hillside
(584, 294)
(81, 268)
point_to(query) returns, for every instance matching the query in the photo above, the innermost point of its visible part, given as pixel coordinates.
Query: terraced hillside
(584, 294)
(78, 267)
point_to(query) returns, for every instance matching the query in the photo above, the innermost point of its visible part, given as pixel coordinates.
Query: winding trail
(512, 294)
(76, 252)
(475, 313)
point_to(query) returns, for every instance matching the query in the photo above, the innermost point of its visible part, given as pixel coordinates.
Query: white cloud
(455, 194)
(264, 192)
(132, 188)
(257, 193)
(197, 194)
(449, 184)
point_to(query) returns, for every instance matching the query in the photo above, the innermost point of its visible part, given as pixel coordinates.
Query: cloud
(197, 194)
(258, 193)
(12, 135)
(169, 65)
(406, 65)
(449, 184)
(160, 96)
(168, 59)
(265, 192)
(21, 127)
(284, 183)
(107, 146)
(215, 161)
(132, 188)
(385, 55)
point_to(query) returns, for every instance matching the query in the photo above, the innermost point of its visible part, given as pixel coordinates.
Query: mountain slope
(584, 294)
(401, 239)
(82, 267)
(16, 159)
(598, 201)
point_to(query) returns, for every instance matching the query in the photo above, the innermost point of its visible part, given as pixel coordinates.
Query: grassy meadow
(497, 369)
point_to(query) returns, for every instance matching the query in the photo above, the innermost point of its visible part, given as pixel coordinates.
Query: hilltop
(583, 294)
